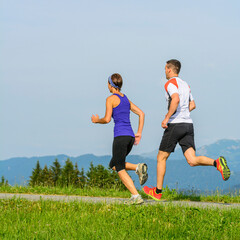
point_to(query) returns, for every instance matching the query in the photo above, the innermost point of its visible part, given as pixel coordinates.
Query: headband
(111, 83)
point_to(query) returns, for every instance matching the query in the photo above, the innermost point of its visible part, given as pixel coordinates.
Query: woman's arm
(141, 115)
(108, 113)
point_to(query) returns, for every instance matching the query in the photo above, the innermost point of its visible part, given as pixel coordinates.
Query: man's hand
(192, 105)
(164, 122)
(95, 118)
(172, 108)
(138, 137)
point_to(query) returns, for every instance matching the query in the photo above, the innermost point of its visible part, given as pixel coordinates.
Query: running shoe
(152, 193)
(223, 168)
(142, 172)
(134, 201)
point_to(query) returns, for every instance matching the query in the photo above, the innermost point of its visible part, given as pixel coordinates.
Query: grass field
(22, 219)
(96, 192)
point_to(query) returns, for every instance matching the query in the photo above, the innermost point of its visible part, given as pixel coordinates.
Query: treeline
(3, 182)
(69, 175)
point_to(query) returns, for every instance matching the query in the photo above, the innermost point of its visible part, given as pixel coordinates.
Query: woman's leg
(127, 181)
(128, 167)
(121, 147)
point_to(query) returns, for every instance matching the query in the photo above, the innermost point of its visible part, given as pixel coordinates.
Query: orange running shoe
(152, 193)
(223, 168)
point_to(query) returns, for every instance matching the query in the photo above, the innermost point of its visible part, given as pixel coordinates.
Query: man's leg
(194, 160)
(161, 168)
(220, 163)
(167, 145)
(156, 192)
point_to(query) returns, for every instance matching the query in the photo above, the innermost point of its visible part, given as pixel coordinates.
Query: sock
(135, 196)
(158, 191)
(137, 168)
(215, 163)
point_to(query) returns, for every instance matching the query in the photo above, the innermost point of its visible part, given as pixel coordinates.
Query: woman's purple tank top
(121, 116)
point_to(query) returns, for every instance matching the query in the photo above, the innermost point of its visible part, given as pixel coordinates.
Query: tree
(56, 172)
(76, 173)
(101, 177)
(82, 178)
(45, 177)
(98, 176)
(35, 179)
(50, 179)
(67, 173)
(3, 181)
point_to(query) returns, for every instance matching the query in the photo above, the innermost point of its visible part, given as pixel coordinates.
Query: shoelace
(152, 190)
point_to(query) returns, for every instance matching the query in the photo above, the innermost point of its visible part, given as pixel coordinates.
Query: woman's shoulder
(117, 96)
(113, 98)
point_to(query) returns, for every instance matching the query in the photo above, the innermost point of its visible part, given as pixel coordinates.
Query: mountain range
(178, 175)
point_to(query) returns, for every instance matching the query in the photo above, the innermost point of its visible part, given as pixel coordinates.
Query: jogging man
(179, 129)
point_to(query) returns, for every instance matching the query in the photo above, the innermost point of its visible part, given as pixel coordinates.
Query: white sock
(135, 196)
(137, 168)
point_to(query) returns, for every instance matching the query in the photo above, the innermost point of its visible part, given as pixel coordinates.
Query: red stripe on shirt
(173, 81)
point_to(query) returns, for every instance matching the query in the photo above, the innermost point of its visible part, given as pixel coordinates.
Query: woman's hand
(95, 119)
(138, 137)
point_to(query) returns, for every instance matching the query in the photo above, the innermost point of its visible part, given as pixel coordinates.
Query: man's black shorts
(182, 133)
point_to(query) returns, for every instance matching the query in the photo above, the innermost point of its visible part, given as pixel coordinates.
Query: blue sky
(56, 57)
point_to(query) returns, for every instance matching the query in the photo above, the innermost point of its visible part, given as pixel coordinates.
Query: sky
(56, 57)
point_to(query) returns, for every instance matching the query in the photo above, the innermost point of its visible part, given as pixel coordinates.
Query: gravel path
(109, 200)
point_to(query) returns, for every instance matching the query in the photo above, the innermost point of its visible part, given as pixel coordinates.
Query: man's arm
(172, 109)
(108, 113)
(192, 105)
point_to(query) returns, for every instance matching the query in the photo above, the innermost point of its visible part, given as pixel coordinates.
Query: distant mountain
(179, 174)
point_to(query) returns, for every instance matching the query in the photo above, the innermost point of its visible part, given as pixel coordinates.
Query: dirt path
(109, 200)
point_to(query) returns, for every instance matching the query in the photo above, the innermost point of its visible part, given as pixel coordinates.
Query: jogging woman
(118, 107)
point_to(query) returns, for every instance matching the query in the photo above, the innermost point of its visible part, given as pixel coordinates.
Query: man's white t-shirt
(177, 85)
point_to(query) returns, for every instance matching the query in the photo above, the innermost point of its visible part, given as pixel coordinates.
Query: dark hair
(175, 65)
(117, 80)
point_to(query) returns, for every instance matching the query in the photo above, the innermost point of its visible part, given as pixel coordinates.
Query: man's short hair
(175, 65)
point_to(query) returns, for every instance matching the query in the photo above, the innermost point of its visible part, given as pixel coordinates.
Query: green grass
(22, 219)
(96, 192)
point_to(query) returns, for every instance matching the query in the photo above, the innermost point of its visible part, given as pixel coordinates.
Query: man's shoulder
(173, 81)
(178, 81)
